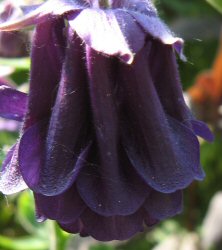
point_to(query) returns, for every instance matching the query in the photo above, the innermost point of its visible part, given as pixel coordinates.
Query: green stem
(52, 236)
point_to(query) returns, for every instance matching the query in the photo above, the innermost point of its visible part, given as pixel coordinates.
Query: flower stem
(52, 236)
(104, 3)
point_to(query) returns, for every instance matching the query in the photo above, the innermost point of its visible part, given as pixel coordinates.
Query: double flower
(108, 142)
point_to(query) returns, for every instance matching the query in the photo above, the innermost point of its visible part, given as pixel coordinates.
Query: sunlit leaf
(216, 4)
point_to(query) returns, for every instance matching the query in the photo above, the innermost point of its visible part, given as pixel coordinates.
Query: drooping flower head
(107, 142)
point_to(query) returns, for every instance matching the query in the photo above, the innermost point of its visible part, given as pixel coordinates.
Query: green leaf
(24, 243)
(25, 212)
(217, 4)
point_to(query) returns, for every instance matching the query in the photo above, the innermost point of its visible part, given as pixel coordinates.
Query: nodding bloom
(108, 142)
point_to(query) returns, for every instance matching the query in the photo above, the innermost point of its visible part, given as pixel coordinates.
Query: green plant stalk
(57, 238)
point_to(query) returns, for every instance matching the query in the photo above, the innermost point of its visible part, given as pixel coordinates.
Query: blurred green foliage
(184, 8)
(216, 3)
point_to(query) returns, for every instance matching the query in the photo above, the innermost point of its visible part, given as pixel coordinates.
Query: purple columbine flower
(107, 142)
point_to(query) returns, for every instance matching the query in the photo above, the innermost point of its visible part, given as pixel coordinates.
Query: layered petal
(12, 103)
(167, 84)
(150, 221)
(65, 208)
(161, 206)
(155, 28)
(107, 182)
(74, 227)
(11, 180)
(33, 166)
(163, 151)
(108, 142)
(48, 51)
(169, 88)
(107, 228)
(112, 32)
(202, 130)
(68, 131)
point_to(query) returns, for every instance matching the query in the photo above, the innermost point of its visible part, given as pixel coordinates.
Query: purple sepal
(201, 129)
(13, 103)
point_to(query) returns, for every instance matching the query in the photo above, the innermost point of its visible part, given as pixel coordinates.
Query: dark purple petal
(68, 130)
(31, 153)
(47, 56)
(112, 228)
(167, 83)
(110, 32)
(33, 168)
(42, 13)
(158, 30)
(201, 129)
(169, 88)
(12, 103)
(108, 193)
(73, 227)
(150, 221)
(11, 180)
(161, 206)
(163, 151)
(65, 208)
(107, 183)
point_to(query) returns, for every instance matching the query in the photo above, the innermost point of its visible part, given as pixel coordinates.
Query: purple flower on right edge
(108, 143)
